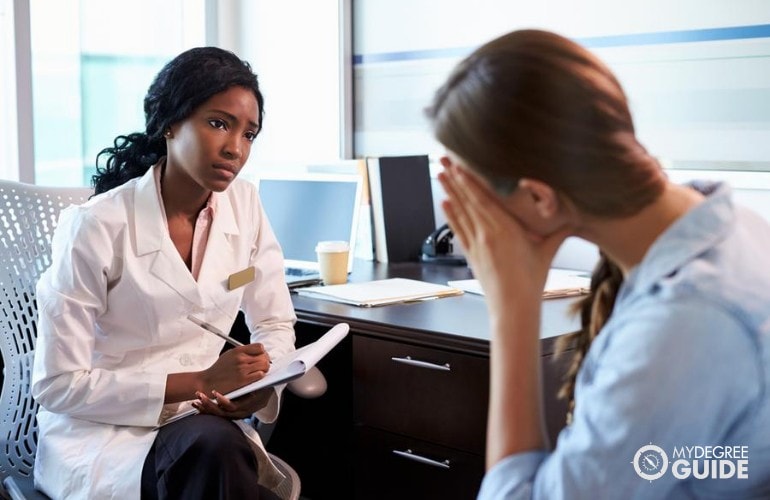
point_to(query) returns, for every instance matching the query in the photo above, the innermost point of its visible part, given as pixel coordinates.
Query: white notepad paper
(380, 292)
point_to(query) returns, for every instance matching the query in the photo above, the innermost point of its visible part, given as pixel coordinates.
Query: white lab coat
(112, 325)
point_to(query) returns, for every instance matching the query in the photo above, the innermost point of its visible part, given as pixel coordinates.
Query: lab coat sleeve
(266, 301)
(71, 295)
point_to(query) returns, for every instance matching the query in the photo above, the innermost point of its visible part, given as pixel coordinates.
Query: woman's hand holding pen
(234, 368)
(237, 367)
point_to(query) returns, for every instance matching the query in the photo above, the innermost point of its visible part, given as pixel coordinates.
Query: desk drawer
(430, 394)
(388, 466)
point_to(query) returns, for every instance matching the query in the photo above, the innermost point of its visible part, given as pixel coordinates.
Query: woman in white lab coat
(171, 233)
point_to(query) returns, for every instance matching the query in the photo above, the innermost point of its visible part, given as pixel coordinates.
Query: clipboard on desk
(560, 283)
(380, 292)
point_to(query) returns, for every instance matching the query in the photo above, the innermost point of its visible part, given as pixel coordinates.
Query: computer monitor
(304, 209)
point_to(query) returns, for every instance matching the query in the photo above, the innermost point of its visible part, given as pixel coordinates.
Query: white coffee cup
(333, 261)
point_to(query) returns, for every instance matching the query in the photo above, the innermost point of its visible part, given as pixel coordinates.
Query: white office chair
(28, 216)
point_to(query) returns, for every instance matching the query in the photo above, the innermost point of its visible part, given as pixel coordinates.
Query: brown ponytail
(595, 309)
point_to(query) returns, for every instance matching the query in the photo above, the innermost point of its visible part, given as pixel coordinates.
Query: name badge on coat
(237, 280)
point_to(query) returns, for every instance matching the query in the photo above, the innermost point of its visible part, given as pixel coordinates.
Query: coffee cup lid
(332, 246)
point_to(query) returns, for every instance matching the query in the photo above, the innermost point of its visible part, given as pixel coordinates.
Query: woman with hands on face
(540, 147)
(169, 228)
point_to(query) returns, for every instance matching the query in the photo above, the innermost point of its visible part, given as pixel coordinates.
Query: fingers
(253, 353)
(455, 207)
(455, 222)
(218, 404)
(208, 405)
(480, 199)
(256, 367)
(256, 349)
(250, 359)
(471, 206)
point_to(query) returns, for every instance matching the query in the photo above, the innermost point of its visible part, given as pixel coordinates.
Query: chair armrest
(309, 386)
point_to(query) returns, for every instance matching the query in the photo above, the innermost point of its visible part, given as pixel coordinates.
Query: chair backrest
(28, 216)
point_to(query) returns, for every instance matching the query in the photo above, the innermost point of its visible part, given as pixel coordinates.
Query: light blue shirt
(684, 361)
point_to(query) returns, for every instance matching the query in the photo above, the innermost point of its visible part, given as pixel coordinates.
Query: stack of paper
(381, 292)
(560, 283)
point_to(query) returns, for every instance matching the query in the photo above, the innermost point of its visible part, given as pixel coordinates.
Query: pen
(213, 329)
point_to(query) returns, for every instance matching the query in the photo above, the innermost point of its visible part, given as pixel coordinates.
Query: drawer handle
(423, 460)
(422, 364)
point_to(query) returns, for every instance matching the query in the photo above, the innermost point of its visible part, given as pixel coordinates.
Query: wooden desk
(392, 428)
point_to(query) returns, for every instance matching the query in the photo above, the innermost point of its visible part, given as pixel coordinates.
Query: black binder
(402, 206)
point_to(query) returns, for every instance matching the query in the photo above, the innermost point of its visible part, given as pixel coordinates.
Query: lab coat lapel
(152, 237)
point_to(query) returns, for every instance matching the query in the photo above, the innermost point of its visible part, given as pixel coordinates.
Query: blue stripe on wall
(411, 55)
(662, 37)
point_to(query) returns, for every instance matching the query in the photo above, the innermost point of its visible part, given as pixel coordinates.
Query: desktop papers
(380, 292)
(560, 283)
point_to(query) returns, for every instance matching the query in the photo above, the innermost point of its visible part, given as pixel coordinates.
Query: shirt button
(185, 360)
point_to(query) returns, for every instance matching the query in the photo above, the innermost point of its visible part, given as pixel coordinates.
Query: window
(92, 61)
(8, 148)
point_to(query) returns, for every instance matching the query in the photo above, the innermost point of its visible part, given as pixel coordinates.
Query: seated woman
(116, 354)
(674, 354)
